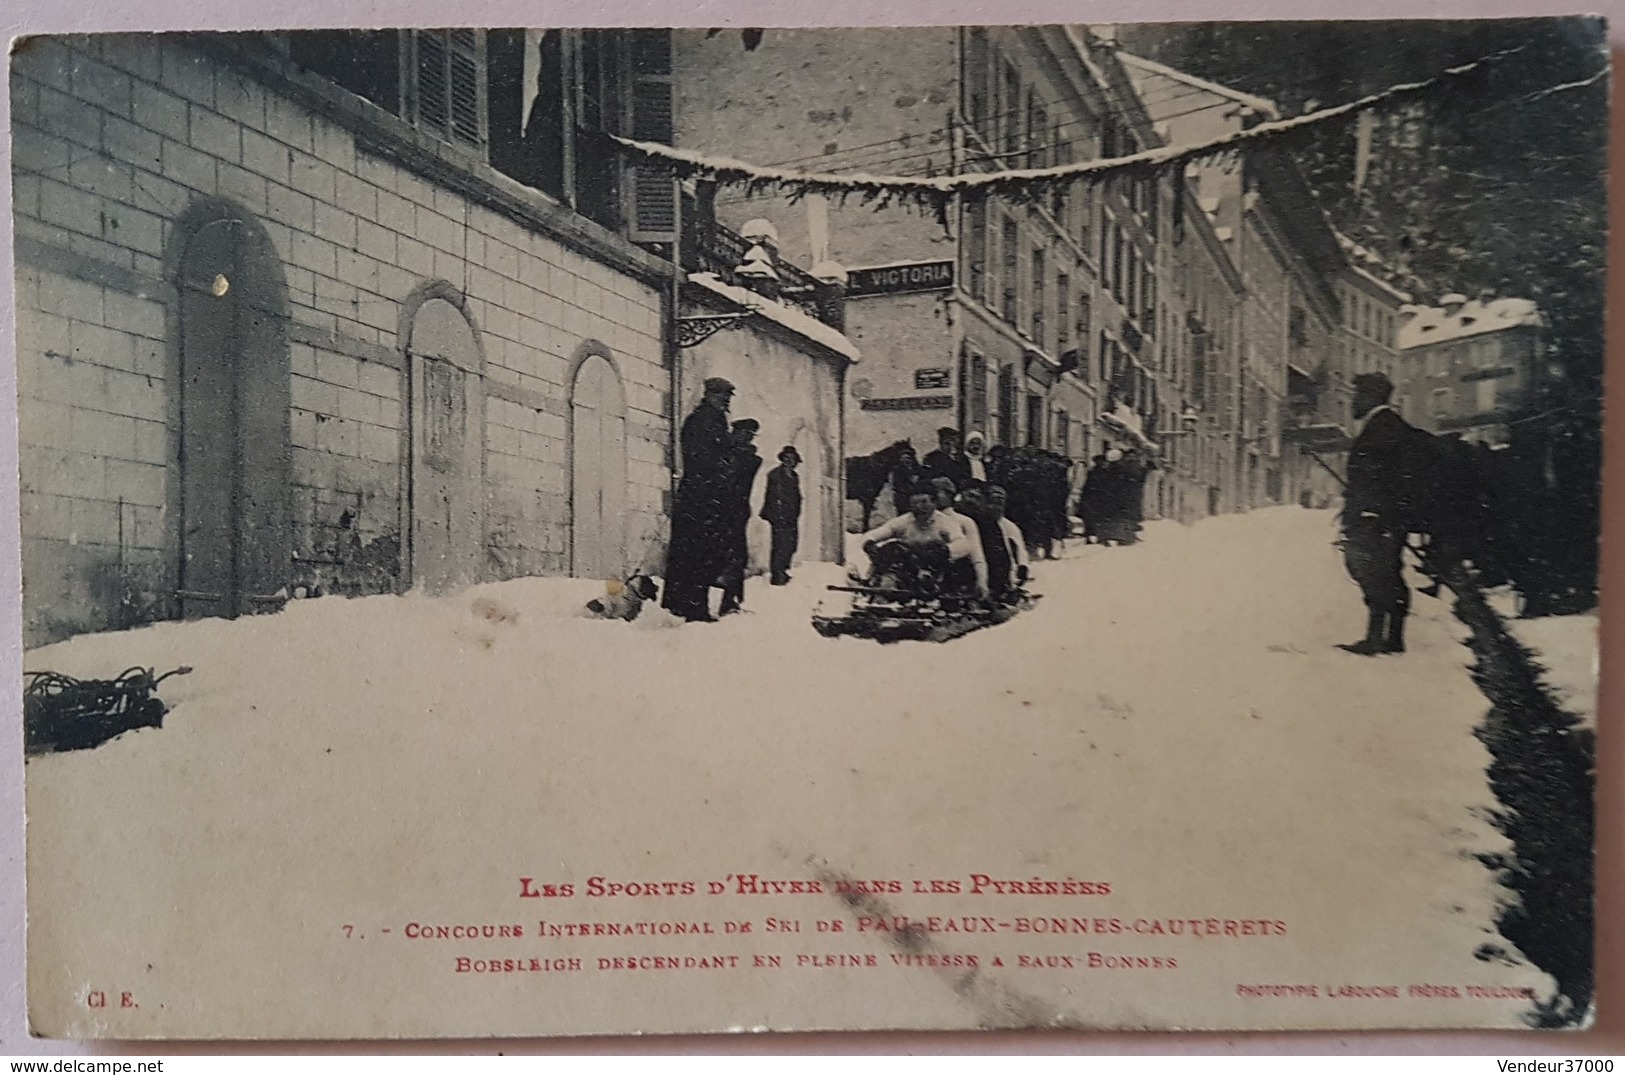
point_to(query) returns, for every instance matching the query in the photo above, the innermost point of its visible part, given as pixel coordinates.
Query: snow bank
(1172, 719)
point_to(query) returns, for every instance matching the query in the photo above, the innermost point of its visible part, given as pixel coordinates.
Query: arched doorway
(597, 467)
(233, 398)
(448, 457)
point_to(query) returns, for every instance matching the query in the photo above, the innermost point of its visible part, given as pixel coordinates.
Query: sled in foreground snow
(890, 615)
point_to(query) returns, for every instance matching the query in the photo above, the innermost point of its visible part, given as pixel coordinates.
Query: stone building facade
(994, 330)
(281, 336)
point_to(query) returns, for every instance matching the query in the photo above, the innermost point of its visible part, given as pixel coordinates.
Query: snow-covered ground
(1172, 719)
(1566, 648)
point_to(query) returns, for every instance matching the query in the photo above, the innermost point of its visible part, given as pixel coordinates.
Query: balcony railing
(709, 246)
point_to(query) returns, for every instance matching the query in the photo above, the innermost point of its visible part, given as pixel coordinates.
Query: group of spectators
(1111, 502)
(712, 510)
(1033, 482)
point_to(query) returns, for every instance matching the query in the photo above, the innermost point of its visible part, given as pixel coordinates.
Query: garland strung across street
(1020, 184)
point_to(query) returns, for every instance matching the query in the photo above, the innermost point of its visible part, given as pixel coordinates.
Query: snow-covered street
(1172, 719)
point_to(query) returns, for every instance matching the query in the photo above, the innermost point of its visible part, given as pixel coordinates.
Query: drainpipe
(672, 301)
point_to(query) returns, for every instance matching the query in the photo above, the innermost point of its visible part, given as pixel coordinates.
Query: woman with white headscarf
(975, 444)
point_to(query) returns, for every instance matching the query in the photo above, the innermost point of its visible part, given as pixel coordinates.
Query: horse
(867, 475)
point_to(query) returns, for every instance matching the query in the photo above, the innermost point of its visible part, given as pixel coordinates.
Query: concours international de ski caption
(871, 915)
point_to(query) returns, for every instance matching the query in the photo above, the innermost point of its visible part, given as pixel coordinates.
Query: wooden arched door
(448, 462)
(597, 471)
(233, 394)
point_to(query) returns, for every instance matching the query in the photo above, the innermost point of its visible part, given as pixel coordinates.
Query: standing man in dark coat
(781, 507)
(1379, 510)
(696, 555)
(743, 463)
(946, 460)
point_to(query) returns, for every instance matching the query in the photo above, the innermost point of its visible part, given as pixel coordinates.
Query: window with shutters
(976, 384)
(1040, 283)
(433, 79)
(995, 261)
(445, 84)
(1064, 199)
(1063, 307)
(1084, 329)
(578, 86)
(1012, 272)
(1011, 117)
(365, 62)
(1009, 400)
(535, 103)
(1037, 133)
(1035, 420)
(979, 84)
(653, 212)
(1120, 250)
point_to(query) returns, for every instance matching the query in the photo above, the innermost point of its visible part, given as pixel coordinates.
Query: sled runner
(892, 615)
(61, 713)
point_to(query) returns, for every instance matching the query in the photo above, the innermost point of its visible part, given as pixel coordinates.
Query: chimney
(1452, 303)
(831, 293)
(759, 270)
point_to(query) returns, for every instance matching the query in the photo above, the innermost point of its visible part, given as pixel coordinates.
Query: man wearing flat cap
(697, 554)
(781, 507)
(1379, 510)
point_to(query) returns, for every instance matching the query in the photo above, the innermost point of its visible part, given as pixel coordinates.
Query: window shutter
(975, 241)
(467, 86)
(653, 188)
(994, 299)
(978, 84)
(448, 90)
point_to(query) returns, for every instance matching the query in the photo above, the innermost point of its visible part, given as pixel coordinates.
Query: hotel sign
(899, 279)
(908, 403)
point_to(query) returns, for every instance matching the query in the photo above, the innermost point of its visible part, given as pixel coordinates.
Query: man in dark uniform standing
(947, 460)
(698, 550)
(781, 507)
(1379, 510)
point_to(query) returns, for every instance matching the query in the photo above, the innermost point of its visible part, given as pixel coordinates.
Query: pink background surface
(1608, 1036)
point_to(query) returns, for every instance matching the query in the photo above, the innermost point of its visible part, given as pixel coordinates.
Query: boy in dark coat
(743, 463)
(781, 507)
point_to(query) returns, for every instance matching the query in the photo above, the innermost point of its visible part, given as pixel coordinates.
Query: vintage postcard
(552, 531)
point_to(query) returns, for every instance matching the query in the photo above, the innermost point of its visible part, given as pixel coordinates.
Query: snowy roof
(1151, 67)
(791, 318)
(1363, 256)
(1402, 296)
(1431, 324)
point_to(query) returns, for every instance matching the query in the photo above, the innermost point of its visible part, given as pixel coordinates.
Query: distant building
(1470, 367)
(1271, 232)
